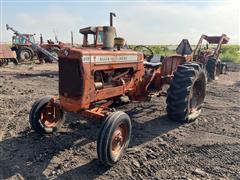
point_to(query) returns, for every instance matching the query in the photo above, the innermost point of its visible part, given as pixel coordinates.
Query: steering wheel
(147, 52)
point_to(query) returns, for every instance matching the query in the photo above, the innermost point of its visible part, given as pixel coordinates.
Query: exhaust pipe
(41, 39)
(111, 18)
(72, 38)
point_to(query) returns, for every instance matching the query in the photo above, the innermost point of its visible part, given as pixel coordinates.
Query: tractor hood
(88, 55)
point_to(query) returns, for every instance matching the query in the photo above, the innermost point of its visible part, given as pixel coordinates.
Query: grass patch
(164, 50)
(230, 53)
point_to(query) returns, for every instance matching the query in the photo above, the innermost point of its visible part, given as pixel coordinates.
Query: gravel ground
(208, 148)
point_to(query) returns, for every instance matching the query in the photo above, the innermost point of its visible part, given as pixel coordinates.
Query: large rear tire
(45, 119)
(186, 93)
(25, 54)
(114, 137)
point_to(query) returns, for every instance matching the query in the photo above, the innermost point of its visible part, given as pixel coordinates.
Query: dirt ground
(208, 148)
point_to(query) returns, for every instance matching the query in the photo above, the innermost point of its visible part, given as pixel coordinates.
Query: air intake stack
(109, 33)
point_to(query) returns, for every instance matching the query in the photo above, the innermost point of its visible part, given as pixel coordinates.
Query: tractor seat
(156, 58)
(151, 64)
(154, 62)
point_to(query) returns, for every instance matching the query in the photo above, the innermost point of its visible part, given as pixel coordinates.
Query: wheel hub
(50, 116)
(197, 96)
(25, 55)
(118, 139)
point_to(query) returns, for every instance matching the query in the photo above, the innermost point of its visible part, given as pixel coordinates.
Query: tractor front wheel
(213, 69)
(114, 137)
(44, 117)
(186, 93)
(224, 68)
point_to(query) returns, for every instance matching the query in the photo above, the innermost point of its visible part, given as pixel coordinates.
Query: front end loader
(209, 54)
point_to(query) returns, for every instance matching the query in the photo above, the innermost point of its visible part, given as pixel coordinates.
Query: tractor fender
(170, 64)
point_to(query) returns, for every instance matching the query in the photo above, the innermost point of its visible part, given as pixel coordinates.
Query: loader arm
(217, 50)
(198, 44)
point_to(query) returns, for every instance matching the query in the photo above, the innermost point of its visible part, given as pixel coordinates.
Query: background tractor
(208, 54)
(22, 45)
(50, 46)
(102, 75)
(32, 44)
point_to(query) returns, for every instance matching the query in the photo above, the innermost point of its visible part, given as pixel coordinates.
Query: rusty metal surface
(202, 55)
(118, 72)
(98, 75)
(217, 39)
(91, 29)
(6, 52)
(77, 67)
(108, 37)
(165, 73)
(77, 86)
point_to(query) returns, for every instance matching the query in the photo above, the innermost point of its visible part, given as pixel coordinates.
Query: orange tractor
(96, 77)
(209, 54)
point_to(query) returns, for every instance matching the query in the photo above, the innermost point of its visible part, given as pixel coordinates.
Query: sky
(137, 21)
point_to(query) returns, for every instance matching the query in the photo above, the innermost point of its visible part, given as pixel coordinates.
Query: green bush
(229, 53)
(163, 50)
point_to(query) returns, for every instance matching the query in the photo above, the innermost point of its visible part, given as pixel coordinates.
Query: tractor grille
(70, 78)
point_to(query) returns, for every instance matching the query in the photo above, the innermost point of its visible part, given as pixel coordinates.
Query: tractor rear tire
(186, 93)
(25, 54)
(36, 118)
(114, 137)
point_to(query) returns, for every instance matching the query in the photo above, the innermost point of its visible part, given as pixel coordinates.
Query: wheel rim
(197, 95)
(25, 55)
(119, 139)
(50, 116)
